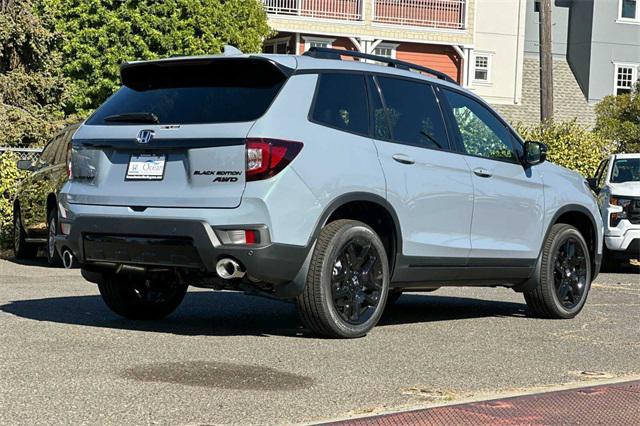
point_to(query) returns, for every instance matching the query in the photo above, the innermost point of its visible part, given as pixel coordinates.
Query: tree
(32, 87)
(618, 118)
(102, 34)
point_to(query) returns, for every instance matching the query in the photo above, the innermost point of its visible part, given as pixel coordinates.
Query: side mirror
(24, 164)
(534, 153)
(593, 184)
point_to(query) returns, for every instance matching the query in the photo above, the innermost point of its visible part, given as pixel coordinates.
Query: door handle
(403, 159)
(482, 172)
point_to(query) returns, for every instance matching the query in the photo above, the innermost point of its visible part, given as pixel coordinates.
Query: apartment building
(596, 52)
(498, 52)
(435, 33)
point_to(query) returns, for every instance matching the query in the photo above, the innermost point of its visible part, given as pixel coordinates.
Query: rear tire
(21, 248)
(140, 298)
(347, 283)
(565, 275)
(53, 258)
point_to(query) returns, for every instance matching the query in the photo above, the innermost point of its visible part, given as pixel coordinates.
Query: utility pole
(546, 63)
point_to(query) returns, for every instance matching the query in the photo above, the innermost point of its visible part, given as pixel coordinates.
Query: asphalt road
(229, 358)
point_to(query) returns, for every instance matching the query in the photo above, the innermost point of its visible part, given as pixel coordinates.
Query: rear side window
(341, 102)
(413, 113)
(48, 156)
(194, 92)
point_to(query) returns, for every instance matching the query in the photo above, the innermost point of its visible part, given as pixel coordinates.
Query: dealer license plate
(146, 167)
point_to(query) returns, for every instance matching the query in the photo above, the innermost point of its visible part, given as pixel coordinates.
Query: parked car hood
(625, 189)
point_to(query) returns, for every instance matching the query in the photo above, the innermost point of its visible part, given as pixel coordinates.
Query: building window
(626, 76)
(386, 50)
(629, 10)
(310, 42)
(280, 45)
(482, 65)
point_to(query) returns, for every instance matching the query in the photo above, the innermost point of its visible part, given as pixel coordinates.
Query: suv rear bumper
(193, 244)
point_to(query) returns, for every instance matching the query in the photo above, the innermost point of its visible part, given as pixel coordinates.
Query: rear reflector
(268, 157)
(241, 236)
(250, 237)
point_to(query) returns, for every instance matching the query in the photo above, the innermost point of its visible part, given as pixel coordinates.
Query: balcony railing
(448, 14)
(349, 10)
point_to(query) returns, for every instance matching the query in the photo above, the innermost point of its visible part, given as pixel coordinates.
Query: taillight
(268, 157)
(69, 169)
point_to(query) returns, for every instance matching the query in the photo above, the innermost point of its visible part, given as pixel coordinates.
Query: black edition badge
(221, 175)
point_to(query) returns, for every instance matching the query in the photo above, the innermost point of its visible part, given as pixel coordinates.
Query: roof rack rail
(328, 53)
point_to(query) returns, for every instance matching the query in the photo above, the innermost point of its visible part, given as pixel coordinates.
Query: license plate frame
(156, 164)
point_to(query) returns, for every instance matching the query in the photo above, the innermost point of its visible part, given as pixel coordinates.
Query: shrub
(618, 117)
(570, 145)
(101, 34)
(32, 87)
(9, 178)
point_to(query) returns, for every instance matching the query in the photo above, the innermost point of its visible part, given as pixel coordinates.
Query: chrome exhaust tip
(229, 269)
(67, 259)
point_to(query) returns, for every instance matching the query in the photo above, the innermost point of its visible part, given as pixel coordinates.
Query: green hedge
(570, 145)
(9, 178)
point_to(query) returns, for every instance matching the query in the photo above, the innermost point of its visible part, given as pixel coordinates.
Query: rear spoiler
(201, 70)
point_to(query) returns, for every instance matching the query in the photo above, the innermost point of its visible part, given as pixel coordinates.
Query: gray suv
(334, 183)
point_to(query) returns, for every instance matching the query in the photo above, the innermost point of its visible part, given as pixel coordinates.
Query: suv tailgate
(174, 135)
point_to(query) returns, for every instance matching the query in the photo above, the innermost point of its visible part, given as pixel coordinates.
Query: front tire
(141, 298)
(21, 248)
(347, 283)
(53, 258)
(565, 275)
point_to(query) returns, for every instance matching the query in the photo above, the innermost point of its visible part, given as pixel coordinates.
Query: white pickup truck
(617, 185)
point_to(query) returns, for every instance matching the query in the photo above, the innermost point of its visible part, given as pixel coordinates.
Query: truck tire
(565, 275)
(347, 283)
(140, 298)
(21, 248)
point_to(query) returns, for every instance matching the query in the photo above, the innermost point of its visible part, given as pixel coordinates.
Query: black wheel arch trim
(596, 261)
(350, 197)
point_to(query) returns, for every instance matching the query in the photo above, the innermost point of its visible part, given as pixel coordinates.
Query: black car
(35, 211)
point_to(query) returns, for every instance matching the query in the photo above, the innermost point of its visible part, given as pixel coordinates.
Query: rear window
(341, 102)
(194, 92)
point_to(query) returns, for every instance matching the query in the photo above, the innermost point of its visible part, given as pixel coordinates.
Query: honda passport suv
(334, 183)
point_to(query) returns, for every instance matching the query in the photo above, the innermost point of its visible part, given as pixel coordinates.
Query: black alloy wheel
(356, 281)
(563, 278)
(570, 273)
(347, 282)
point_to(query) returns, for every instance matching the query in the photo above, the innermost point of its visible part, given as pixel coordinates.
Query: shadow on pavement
(36, 262)
(228, 313)
(622, 268)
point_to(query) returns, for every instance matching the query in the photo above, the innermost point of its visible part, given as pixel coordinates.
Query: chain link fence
(31, 154)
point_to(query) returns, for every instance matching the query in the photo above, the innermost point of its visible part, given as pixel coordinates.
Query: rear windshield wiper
(133, 117)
